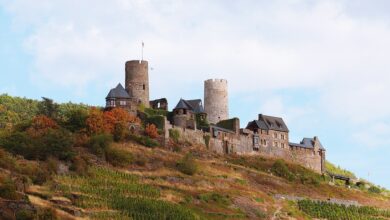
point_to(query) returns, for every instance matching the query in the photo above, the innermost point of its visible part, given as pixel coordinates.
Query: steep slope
(224, 187)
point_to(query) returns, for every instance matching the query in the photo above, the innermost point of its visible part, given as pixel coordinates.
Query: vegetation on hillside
(326, 210)
(67, 160)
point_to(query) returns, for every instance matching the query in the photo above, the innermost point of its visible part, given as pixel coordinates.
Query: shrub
(279, 168)
(206, 139)
(187, 165)
(151, 131)
(79, 165)
(146, 141)
(76, 119)
(24, 215)
(99, 143)
(157, 120)
(19, 143)
(57, 143)
(214, 197)
(40, 125)
(46, 214)
(120, 132)
(6, 160)
(141, 160)
(174, 134)
(374, 189)
(118, 157)
(8, 188)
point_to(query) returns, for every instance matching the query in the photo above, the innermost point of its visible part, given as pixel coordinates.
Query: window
(282, 136)
(283, 145)
(144, 87)
(122, 103)
(275, 135)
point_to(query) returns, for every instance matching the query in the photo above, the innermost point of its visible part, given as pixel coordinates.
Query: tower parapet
(137, 80)
(216, 101)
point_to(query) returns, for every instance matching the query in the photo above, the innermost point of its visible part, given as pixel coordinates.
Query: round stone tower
(137, 81)
(216, 100)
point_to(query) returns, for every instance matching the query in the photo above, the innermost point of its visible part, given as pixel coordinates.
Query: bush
(374, 189)
(174, 134)
(279, 168)
(157, 120)
(146, 141)
(99, 143)
(151, 131)
(120, 132)
(206, 139)
(79, 165)
(214, 197)
(8, 188)
(118, 157)
(76, 119)
(57, 143)
(46, 214)
(25, 215)
(187, 165)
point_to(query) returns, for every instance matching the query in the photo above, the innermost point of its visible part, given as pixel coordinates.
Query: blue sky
(321, 65)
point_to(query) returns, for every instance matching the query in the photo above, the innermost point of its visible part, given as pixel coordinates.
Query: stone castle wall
(216, 100)
(137, 80)
(228, 143)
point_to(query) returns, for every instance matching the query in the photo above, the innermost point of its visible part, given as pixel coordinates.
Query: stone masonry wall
(137, 80)
(216, 100)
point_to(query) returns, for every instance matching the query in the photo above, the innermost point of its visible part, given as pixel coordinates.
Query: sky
(322, 65)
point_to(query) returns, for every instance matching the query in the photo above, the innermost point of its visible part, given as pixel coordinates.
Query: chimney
(260, 116)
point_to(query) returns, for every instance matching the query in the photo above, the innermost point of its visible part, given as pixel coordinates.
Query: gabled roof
(310, 142)
(118, 92)
(307, 143)
(194, 105)
(266, 122)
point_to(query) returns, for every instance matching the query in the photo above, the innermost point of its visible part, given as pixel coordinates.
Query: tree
(95, 122)
(48, 107)
(40, 125)
(151, 130)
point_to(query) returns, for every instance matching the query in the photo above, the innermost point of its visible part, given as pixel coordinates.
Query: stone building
(137, 81)
(310, 153)
(136, 91)
(216, 100)
(118, 97)
(272, 131)
(186, 112)
(268, 135)
(161, 104)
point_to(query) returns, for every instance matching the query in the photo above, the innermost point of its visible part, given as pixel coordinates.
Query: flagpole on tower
(142, 52)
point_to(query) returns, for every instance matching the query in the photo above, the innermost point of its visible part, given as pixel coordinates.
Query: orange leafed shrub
(105, 122)
(40, 125)
(95, 122)
(151, 130)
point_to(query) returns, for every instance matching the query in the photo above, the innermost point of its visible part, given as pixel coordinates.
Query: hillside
(81, 163)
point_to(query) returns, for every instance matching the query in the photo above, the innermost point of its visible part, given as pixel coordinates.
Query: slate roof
(118, 92)
(266, 122)
(194, 105)
(307, 143)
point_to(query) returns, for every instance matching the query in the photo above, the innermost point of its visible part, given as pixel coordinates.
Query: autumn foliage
(151, 130)
(99, 122)
(40, 125)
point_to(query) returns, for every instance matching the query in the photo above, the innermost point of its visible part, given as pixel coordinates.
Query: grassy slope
(224, 188)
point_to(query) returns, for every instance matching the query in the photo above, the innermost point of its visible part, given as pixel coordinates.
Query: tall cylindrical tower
(137, 80)
(216, 100)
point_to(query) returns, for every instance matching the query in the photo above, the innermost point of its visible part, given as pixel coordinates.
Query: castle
(210, 125)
